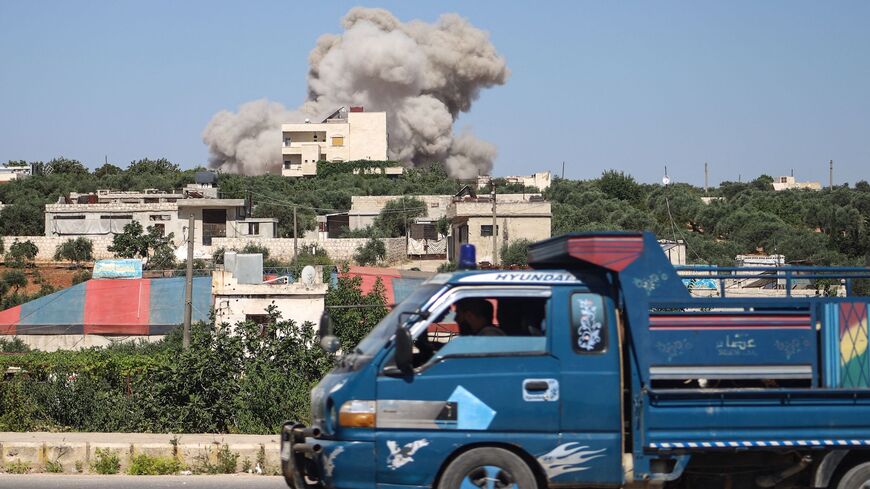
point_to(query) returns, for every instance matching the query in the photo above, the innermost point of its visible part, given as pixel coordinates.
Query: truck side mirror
(328, 341)
(404, 351)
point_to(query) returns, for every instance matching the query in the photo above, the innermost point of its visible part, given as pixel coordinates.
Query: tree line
(826, 227)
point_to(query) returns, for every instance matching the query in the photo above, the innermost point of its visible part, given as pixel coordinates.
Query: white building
(789, 183)
(344, 135)
(540, 180)
(107, 212)
(9, 173)
(240, 292)
(518, 216)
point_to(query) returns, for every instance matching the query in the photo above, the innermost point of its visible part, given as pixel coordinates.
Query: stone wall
(48, 244)
(340, 249)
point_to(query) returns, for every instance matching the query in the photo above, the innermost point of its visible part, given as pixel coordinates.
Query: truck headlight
(357, 414)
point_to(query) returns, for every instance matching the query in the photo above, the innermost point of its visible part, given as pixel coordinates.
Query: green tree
(21, 253)
(76, 250)
(149, 166)
(397, 213)
(14, 279)
(618, 185)
(66, 166)
(106, 170)
(132, 243)
(353, 312)
(373, 251)
(516, 253)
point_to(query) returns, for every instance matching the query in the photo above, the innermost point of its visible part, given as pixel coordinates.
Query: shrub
(75, 250)
(107, 461)
(81, 276)
(371, 253)
(17, 467)
(516, 253)
(254, 249)
(226, 463)
(144, 464)
(21, 253)
(53, 467)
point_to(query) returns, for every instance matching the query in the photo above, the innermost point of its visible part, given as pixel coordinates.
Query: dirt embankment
(58, 276)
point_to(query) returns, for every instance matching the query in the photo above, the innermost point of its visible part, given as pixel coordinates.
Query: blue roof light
(467, 257)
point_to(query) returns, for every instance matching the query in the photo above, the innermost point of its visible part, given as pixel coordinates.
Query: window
(498, 324)
(254, 228)
(588, 323)
(128, 217)
(160, 217)
(68, 217)
(338, 140)
(486, 230)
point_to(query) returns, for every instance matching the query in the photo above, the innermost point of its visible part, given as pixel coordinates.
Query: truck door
(498, 389)
(591, 423)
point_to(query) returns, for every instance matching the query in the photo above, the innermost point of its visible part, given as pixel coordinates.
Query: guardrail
(787, 273)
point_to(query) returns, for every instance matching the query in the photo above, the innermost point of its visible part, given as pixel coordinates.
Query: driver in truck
(474, 317)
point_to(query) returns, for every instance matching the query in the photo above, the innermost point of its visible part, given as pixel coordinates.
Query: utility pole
(494, 230)
(188, 284)
(563, 170)
(295, 233)
(831, 175)
(706, 177)
(405, 214)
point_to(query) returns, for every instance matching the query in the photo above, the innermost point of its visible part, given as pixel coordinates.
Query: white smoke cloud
(422, 75)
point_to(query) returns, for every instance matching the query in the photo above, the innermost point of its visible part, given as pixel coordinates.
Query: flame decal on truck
(567, 458)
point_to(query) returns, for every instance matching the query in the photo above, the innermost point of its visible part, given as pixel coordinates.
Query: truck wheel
(489, 468)
(858, 477)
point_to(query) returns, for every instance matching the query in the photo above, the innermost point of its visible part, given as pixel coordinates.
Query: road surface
(60, 481)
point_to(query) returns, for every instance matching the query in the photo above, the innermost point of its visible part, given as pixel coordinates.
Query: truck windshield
(378, 337)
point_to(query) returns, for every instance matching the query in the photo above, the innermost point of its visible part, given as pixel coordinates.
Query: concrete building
(107, 212)
(365, 208)
(343, 135)
(518, 216)
(9, 173)
(789, 183)
(539, 180)
(241, 292)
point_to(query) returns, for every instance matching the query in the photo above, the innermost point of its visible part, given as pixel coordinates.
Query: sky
(748, 87)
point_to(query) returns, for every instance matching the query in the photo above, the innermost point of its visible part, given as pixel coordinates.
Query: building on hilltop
(540, 180)
(106, 212)
(9, 173)
(343, 135)
(789, 183)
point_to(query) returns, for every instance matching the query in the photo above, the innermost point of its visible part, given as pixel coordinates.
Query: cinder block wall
(48, 244)
(340, 249)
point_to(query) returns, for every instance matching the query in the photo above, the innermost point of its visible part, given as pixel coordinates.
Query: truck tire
(858, 477)
(489, 468)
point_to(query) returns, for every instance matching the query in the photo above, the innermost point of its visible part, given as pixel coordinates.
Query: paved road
(54, 481)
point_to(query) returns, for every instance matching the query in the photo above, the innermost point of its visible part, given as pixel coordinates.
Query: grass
(17, 467)
(144, 464)
(107, 461)
(227, 461)
(54, 467)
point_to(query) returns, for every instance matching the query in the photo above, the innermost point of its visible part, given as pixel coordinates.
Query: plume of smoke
(422, 75)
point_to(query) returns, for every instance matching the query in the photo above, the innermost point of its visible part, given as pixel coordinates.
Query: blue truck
(606, 372)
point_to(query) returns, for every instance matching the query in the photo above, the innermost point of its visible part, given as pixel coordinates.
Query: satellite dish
(309, 274)
(666, 180)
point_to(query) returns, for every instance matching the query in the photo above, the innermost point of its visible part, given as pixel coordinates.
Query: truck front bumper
(309, 462)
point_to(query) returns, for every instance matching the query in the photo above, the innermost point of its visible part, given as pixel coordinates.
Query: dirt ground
(59, 276)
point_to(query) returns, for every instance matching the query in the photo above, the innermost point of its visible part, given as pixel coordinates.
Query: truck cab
(567, 375)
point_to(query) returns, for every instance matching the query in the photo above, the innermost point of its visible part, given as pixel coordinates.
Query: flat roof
(211, 202)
